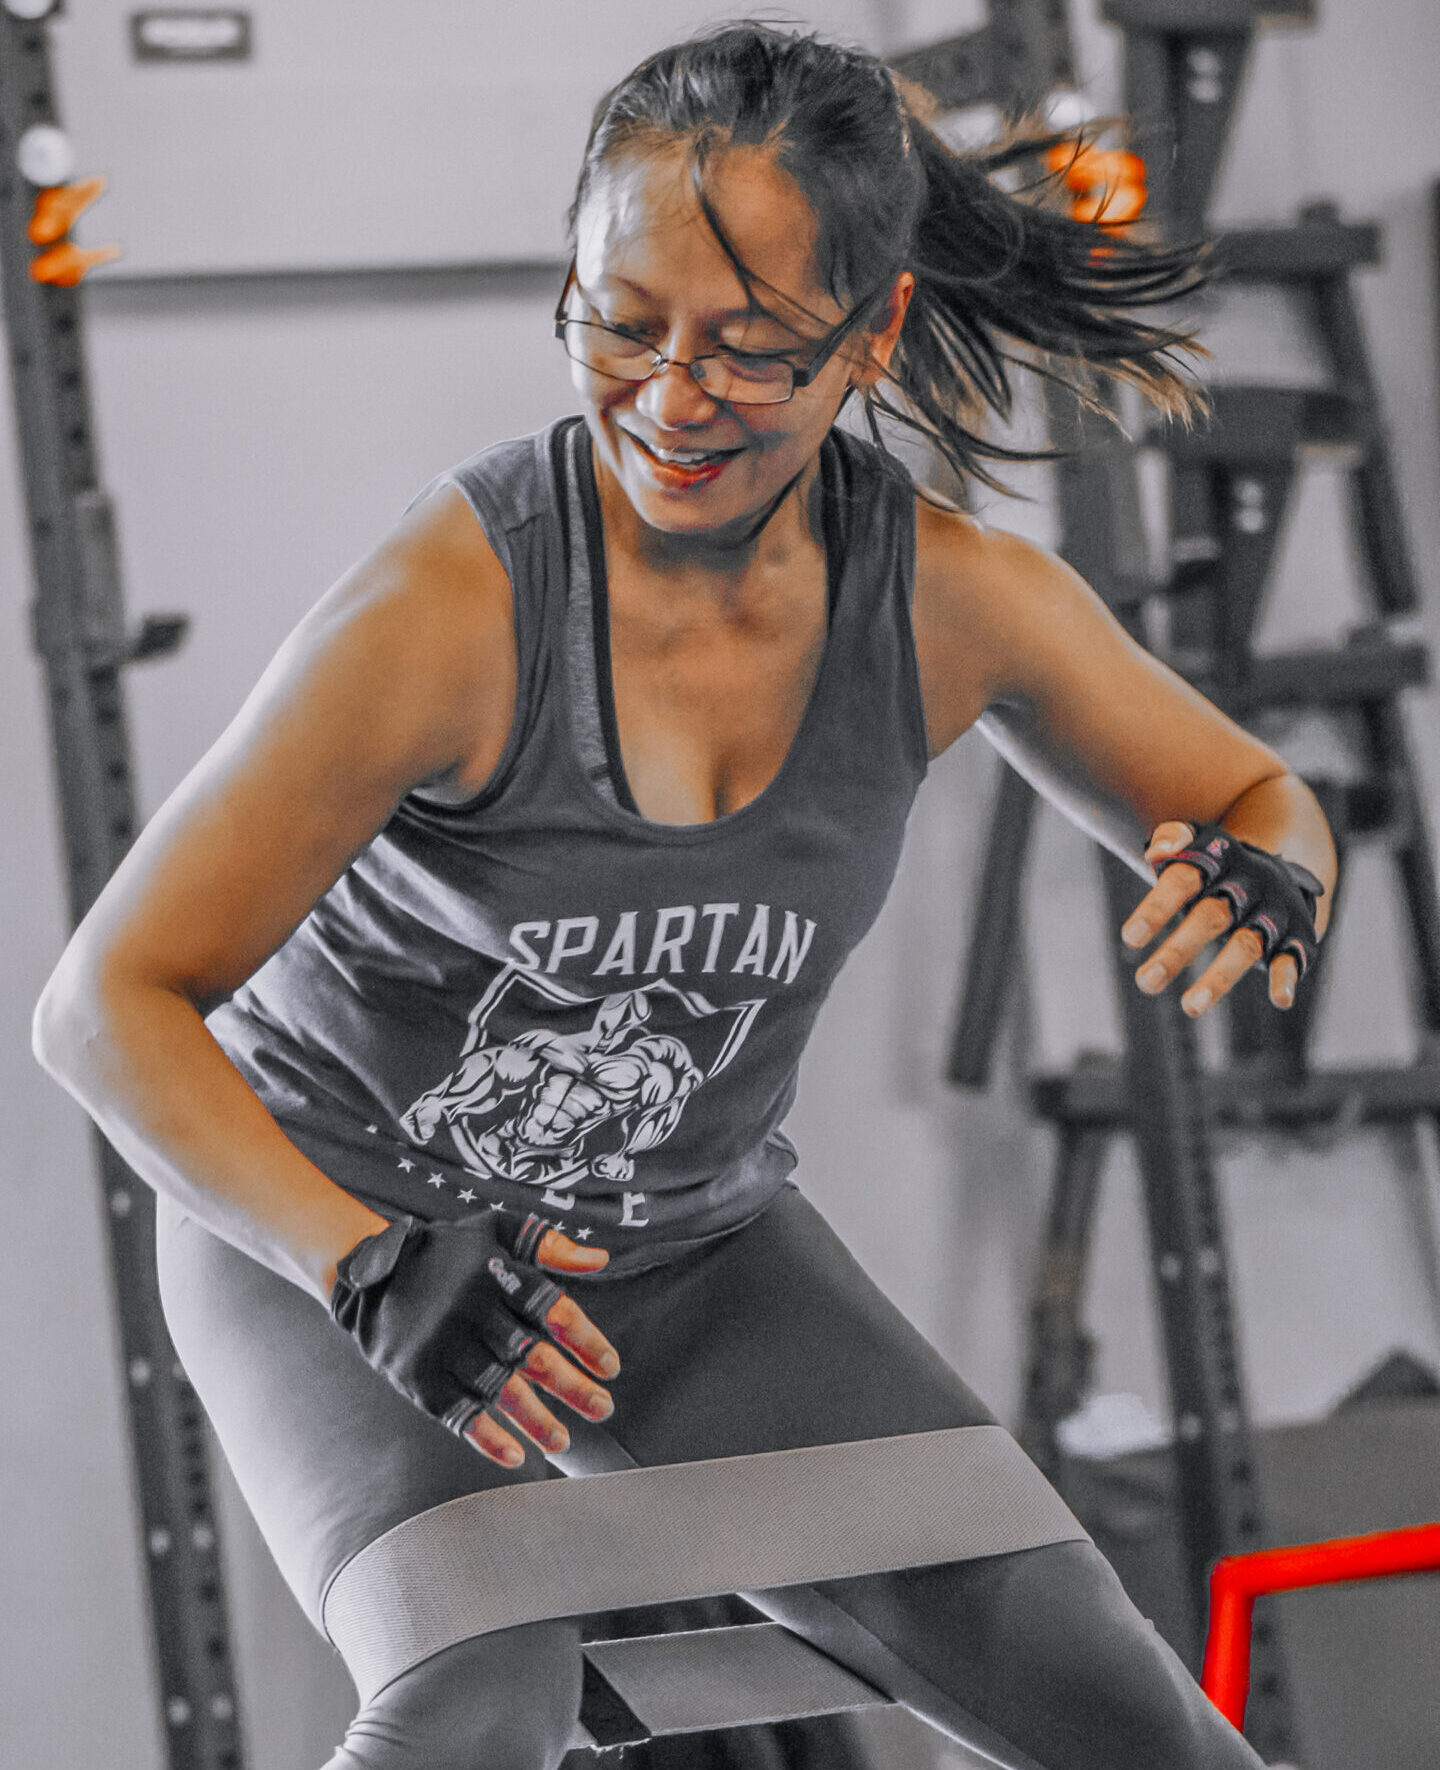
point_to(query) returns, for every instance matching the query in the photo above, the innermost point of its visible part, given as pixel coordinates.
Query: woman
(513, 891)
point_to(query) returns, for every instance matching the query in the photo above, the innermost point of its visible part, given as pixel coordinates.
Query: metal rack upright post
(80, 632)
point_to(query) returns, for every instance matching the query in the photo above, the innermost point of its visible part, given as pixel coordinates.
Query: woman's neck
(760, 543)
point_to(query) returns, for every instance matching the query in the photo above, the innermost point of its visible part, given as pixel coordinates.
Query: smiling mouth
(682, 458)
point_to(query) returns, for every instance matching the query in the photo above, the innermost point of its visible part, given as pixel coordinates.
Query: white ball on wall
(45, 155)
(29, 8)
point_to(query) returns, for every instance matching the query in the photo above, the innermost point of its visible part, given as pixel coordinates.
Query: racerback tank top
(540, 1000)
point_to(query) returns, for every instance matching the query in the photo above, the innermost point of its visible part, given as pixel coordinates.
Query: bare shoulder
(434, 575)
(421, 630)
(983, 600)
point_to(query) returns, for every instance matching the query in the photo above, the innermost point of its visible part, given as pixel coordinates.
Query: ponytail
(996, 270)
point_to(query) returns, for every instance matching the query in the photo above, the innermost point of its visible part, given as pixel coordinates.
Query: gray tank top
(539, 1000)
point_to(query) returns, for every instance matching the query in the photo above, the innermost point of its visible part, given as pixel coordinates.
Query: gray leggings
(768, 1339)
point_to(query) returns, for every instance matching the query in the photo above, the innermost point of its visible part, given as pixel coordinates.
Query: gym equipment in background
(1237, 1580)
(1230, 482)
(81, 633)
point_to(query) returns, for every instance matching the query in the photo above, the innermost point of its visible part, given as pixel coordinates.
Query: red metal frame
(1238, 1580)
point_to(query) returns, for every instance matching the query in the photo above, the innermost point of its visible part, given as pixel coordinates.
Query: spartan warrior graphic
(578, 1097)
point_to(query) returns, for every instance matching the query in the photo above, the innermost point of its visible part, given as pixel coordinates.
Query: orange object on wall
(1107, 184)
(67, 263)
(59, 207)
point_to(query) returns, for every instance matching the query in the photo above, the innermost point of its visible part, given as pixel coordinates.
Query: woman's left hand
(1207, 921)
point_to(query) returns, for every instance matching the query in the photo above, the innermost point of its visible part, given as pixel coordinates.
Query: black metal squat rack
(1229, 486)
(80, 632)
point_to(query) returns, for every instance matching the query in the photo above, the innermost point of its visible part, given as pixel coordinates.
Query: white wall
(258, 435)
(359, 133)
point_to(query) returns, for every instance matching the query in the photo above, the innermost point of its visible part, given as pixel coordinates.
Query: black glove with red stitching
(447, 1311)
(1277, 898)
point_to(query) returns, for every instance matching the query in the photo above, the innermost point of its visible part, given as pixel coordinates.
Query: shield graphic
(551, 1087)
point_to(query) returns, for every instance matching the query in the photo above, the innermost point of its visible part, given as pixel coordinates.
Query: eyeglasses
(740, 377)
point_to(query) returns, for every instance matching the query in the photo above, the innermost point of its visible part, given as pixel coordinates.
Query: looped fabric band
(544, 1549)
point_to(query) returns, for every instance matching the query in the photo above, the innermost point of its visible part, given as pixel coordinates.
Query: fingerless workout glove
(446, 1311)
(1274, 896)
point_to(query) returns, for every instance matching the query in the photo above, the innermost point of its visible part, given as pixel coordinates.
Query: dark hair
(994, 268)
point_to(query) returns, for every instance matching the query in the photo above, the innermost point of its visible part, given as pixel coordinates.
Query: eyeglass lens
(745, 380)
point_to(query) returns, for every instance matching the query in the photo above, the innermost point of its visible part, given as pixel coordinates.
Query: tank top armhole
(893, 490)
(527, 653)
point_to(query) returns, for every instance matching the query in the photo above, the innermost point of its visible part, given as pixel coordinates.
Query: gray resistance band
(545, 1549)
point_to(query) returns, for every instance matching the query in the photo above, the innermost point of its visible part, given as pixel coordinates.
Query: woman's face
(647, 260)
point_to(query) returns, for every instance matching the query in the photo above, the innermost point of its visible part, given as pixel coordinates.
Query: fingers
(1284, 975)
(568, 1324)
(492, 1440)
(1206, 922)
(1242, 951)
(547, 1369)
(566, 1321)
(1161, 904)
(1168, 838)
(1237, 957)
(550, 1370)
(560, 1254)
(1170, 892)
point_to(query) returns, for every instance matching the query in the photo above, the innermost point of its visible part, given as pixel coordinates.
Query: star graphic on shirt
(405, 1163)
(374, 1130)
(467, 1197)
(583, 1234)
(437, 1180)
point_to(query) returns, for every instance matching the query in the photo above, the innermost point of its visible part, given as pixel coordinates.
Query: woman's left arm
(1011, 638)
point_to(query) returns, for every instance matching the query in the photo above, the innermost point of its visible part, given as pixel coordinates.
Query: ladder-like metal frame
(1229, 485)
(1166, 1111)
(80, 633)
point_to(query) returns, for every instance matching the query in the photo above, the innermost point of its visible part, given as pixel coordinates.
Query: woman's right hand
(453, 1313)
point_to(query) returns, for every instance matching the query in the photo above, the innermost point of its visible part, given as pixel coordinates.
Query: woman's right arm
(403, 674)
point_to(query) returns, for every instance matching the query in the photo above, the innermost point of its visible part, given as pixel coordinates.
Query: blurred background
(340, 257)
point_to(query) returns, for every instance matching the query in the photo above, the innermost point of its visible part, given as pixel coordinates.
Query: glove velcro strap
(370, 1262)
(1305, 882)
